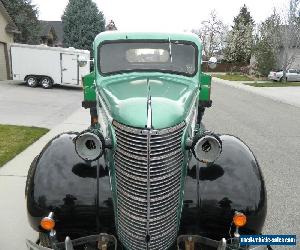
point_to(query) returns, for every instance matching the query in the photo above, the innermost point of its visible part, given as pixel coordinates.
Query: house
(293, 55)
(52, 33)
(7, 31)
(289, 51)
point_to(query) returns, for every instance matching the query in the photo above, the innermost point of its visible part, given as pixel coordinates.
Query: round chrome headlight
(207, 147)
(89, 145)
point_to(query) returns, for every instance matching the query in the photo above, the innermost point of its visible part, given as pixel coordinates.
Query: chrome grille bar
(148, 167)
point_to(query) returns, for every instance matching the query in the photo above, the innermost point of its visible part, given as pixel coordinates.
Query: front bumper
(109, 242)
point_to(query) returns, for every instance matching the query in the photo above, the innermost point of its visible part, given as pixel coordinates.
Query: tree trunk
(284, 76)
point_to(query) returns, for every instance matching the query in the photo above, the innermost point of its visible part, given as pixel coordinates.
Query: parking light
(239, 219)
(48, 223)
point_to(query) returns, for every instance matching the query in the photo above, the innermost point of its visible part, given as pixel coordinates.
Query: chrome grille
(148, 172)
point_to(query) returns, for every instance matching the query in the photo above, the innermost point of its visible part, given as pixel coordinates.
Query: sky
(164, 15)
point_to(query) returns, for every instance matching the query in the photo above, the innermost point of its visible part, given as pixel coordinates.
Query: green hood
(126, 99)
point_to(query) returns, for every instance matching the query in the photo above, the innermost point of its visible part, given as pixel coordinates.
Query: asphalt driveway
(21, 105)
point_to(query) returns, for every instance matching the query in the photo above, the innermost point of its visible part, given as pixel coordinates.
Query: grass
(14, 139)
(233, 77)
(272, 84)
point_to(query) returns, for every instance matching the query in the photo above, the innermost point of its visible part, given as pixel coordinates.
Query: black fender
(60, 181)
(213, 193)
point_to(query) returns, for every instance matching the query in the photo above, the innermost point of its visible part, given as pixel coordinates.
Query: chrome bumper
(101, 241)
(184, 242)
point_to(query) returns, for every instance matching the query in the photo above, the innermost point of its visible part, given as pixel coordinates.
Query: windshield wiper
(170, 49)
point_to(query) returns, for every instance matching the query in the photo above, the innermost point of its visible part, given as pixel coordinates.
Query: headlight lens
(89, 145)
(207, 147)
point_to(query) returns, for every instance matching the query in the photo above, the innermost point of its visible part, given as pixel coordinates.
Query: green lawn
(233, 77)
(14, 139)
(272, 84)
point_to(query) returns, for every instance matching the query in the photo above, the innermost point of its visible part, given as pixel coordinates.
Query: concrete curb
(288, 95)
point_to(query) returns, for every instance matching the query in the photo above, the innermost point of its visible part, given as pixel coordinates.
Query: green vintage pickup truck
(146, 174)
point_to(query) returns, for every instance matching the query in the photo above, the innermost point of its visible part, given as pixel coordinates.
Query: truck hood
(126, 99)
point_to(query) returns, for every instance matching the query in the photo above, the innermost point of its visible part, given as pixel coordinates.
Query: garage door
(3, 69)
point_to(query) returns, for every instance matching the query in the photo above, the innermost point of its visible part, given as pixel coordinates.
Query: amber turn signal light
(47, 223)
(239, 219)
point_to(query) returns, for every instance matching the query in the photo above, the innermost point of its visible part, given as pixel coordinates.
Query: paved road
(21, 105)
(272, 130)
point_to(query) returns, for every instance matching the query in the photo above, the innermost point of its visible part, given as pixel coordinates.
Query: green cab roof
(117, 35)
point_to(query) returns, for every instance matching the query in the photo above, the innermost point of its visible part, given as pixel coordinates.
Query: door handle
(64, 69)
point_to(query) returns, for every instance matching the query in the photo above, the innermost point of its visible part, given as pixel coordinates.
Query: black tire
(46, 82)
(44, 240)
(31, 81)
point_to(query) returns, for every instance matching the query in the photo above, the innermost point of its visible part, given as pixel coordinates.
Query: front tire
(31, 81)
(46, 82)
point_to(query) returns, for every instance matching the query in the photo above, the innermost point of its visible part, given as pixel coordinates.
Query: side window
(292, 71)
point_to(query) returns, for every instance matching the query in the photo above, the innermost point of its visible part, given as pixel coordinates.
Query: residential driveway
(21, 105)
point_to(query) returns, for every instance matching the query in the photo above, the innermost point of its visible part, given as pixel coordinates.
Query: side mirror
(82, 61)
(212, 62)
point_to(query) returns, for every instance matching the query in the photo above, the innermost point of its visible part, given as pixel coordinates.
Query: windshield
(174, 57)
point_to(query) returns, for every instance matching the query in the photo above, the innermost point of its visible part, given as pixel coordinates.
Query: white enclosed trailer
(40, 64)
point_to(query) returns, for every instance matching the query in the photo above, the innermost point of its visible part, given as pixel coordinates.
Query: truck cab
(123, 56)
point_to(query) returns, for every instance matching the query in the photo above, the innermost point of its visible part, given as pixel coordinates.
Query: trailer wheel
(44, 240)
(31, 81)
(46, 82)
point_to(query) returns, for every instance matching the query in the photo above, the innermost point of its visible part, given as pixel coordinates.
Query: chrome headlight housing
(207, 147)
(89, 145)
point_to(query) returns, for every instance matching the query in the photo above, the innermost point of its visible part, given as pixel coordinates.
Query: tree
(289, 36)
(240, 39)
(25, 16)
(212, 33)
(267, 45)
(82, 21)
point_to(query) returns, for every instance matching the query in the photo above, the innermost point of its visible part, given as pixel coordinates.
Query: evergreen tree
(268, 44)
(240, 39)
(25, 16)
(82, 21)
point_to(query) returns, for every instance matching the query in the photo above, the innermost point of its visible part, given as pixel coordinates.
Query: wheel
(31, 81)
(46, 82)
(44, 240)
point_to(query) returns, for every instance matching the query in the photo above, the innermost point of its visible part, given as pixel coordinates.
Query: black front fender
(213, 193)
(60, 181)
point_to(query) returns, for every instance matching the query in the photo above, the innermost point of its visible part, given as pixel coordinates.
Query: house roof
(57, 26)
(11, 26)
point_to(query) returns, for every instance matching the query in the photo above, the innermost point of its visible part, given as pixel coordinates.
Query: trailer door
(69, 69)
